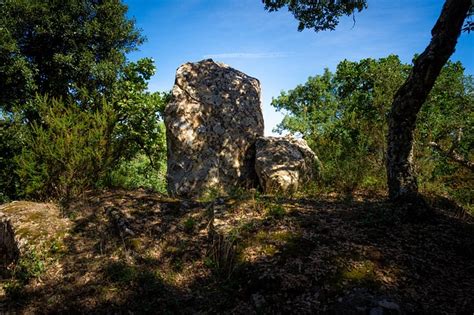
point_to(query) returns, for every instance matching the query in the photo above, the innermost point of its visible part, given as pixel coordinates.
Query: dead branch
(453, 155)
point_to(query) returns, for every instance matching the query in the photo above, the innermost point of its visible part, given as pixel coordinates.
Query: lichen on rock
(284, 164)
(28, 226)
(212, 124)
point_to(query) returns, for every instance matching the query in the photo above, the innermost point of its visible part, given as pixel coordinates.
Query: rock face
(212, 124)
(28, 226)
(361, 301)
(284, 164)
(9, 249)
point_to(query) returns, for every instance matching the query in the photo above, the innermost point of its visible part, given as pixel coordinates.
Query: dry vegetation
(137, 252)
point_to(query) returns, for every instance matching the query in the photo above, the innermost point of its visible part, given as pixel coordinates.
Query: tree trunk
(401, 180)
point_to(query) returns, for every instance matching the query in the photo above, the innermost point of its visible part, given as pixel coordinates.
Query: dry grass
(235, 256)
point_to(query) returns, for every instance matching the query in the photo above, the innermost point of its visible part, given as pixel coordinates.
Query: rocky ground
(138, 252)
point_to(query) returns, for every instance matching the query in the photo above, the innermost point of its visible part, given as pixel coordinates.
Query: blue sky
(268, 46)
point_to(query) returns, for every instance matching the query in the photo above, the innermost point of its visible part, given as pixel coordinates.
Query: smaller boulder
(284, 164)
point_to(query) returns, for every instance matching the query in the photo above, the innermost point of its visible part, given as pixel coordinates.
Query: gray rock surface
(284, 164)
(212, 124)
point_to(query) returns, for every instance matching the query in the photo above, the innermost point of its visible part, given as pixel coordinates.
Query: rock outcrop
(284, 164)
(26, 226)
(212, 124)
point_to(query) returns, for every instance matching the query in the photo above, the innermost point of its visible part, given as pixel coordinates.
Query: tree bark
(401, 180)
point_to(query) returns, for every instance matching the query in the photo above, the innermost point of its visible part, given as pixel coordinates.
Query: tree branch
(453, 155)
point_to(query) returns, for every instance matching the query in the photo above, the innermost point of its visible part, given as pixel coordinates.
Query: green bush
(343, 116)
(276, 211)
(139, 173)
(67, 151)
(9, 148)
(29, 266)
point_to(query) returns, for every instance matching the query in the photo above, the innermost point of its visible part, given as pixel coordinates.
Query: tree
(443, 139)
(319, 15)
(62, 48)
(322, 15)
(402, 184)
(67, 152)
(344, 118)
(139, 126)
(71, 55)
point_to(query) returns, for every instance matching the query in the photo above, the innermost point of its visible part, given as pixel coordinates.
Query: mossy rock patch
(30, 226)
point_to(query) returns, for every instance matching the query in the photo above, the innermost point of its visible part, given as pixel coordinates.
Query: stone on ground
(29, 226)
(212, 124)
(284, 164)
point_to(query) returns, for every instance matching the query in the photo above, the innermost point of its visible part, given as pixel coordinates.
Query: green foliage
(276, 211)
(189, 224)
(318, 15)
(62, 48)
(447, 119)
(139, 127)
(9, 148)
(68, 152)
(70, 149)
(343, 116)
(139, 132)
(138, 173)
(74, 51)
(29, 266)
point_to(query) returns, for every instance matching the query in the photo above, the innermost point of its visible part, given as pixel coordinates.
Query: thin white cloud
(240, 55)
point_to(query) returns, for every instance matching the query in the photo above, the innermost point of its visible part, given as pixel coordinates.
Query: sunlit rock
(284, 164)
(212, 124)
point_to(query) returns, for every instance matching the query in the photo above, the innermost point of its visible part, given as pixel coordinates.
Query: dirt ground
(137, 252)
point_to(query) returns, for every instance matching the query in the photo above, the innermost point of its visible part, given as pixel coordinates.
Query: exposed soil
(252, 255)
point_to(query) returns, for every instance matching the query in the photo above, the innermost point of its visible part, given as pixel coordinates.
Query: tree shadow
(322, 256)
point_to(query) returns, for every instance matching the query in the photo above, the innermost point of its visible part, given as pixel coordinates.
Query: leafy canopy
(71, 56)
(319, 15)
(343, 116)
(62, 48)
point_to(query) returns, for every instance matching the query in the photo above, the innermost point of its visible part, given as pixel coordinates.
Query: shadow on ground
(254, 255)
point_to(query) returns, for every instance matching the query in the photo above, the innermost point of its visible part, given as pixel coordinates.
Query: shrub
(29, 266)
(276, 211)
(343, 116)
(138, 173)
(66, 151)
(9, 148)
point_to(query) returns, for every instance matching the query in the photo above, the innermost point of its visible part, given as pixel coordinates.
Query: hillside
(133, 252)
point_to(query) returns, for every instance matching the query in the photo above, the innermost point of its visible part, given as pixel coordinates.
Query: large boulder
(212, 124)
(284, 164)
